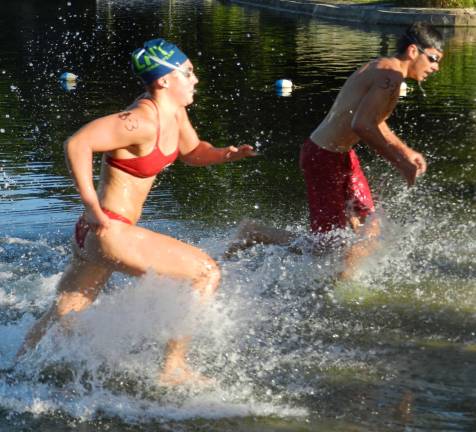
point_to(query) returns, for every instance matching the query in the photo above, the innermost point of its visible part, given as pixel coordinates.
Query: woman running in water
(136, 144)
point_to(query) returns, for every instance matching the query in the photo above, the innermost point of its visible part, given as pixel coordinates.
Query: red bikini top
(148, 165)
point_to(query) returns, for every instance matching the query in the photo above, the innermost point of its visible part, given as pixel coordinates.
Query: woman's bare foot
(183, 375)
(176, 370)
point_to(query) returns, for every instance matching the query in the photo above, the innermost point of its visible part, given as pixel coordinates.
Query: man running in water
(337, 189)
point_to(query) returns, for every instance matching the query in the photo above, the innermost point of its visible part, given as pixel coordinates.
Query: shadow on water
(290, 349)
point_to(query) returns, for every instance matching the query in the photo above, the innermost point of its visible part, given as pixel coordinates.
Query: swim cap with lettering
(149, 70)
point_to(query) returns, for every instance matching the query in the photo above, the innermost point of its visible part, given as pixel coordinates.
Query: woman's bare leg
(135, 250)
(132, 250)
(77, 289)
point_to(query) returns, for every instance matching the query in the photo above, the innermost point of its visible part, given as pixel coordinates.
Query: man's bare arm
(416, 159)
(369, 124)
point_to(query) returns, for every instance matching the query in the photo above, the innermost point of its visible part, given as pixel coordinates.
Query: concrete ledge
(374, 14)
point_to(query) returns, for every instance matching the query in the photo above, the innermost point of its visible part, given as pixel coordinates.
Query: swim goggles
(433, 58)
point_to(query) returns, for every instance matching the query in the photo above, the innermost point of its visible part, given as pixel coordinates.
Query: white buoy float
(284, 87)
(284, 83)
(68, 85)
(68, 76)
(68, 81)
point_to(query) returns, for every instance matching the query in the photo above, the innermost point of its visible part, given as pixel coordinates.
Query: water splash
(279, 331)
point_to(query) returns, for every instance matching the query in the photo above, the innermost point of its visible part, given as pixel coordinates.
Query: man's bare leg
(251, 232)
(368, 232)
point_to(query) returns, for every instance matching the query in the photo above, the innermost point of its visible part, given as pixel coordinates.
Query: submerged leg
(205, 280)
(368, 242)
(176, 370)
(251, 232)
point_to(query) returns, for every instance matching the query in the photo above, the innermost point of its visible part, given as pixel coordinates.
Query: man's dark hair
(422, 34)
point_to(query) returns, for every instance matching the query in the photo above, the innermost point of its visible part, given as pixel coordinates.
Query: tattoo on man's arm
(130, 122)
(394, 88)
(389, 84)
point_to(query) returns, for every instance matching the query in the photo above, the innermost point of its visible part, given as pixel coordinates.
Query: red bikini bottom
(82, 227)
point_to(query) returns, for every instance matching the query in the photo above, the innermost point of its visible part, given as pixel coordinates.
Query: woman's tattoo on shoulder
(130, 121)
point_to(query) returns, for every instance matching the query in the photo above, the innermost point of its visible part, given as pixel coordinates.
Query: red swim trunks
(336, 187)
(82, 227)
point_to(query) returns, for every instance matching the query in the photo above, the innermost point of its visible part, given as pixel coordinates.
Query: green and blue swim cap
(147, 69)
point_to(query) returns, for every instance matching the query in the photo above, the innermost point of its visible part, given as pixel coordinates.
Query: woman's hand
(233, 153)
(206, 154)
(97, 220)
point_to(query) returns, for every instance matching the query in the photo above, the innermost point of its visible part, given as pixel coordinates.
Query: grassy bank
(437, 3)
(412, 3)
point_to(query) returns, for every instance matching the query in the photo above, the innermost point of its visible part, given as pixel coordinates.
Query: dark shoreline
(370, 14)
